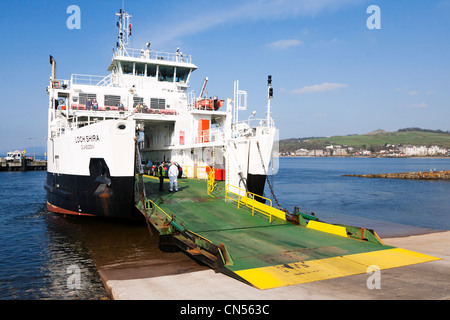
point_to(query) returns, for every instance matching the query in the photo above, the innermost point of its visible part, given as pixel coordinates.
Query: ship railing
(209, 135)
(191, 98)
(201, 172)
(250, 200)
(153, 55)
(149, 204)
(188, 172)
(91, 80)
(106, 81)
(142, 110)
(253, 122)
(179, 226)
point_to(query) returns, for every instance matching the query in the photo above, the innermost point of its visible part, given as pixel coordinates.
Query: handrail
(249, 204)
(153, 55)
(201, 174)
(173, 220)
(87, 79)
(106, 81)
(209, 135)
(147, 205)
(188, 172)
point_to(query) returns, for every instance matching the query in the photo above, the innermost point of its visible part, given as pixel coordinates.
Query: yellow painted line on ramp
(329, 268)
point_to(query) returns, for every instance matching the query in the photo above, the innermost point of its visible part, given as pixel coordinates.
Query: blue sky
(331, 74)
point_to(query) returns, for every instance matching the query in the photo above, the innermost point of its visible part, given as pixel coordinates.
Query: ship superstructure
(100, 125)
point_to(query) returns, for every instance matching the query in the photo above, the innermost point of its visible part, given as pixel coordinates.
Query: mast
(124, 25)
(269, 97)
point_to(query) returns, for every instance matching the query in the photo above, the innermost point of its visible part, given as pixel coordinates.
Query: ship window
(84, 97)
(157, 103)
(182, 74)
(137, 100)
(151, 70)
(127, 67)
(140, 69)
(111, 100)
(165, 73)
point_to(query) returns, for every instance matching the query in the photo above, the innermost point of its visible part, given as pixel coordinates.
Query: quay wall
(424, 175)
(23, 166)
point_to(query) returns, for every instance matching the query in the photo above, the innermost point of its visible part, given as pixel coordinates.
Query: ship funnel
(53, 63)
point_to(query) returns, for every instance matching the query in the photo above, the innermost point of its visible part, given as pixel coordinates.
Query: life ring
(56, 85)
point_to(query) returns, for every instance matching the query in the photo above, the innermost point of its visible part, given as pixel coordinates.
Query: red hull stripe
(56, 209)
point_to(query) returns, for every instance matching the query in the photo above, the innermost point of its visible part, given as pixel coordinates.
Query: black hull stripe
(83, 195)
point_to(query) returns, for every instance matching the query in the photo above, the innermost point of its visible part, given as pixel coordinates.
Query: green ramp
(259, 244)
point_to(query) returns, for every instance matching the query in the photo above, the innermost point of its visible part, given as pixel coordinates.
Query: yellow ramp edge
(264, 208)
(329, 268)
(329, 228)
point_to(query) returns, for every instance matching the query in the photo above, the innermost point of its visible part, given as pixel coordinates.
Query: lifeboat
(209, 104)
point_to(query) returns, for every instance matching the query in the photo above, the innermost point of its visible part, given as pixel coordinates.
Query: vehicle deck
(264, 252)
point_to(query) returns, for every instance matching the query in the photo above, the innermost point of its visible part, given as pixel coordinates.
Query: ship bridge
(153, 65)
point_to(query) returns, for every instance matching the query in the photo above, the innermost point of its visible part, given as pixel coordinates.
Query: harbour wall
(23, 165)
(423, 175)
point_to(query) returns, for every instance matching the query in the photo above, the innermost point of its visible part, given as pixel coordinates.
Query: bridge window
(166, 73)
(127, 67)
(151, 70)
(182, 74)
(140, 69)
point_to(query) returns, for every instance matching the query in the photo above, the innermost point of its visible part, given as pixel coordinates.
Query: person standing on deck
(173, 176)
(161, 174)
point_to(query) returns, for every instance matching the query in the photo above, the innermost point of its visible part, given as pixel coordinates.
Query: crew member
(161, 174)
(173, 176)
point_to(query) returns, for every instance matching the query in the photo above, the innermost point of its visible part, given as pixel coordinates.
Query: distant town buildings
(387, 151)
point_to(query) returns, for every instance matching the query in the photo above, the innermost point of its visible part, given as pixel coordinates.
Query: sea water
(397, 206)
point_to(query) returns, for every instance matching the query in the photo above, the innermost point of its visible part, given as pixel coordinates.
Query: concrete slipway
(187, 280)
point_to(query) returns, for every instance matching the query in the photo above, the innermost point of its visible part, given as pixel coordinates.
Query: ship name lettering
(88, 138)
(92, 138)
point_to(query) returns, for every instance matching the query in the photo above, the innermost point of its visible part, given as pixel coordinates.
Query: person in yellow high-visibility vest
(161, 174)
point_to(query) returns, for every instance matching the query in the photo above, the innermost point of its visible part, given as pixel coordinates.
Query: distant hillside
(375, 139)
(375, 132)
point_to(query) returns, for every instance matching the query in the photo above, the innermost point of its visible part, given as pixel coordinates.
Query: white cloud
(326, 86)
(419, 105)
(284, 44)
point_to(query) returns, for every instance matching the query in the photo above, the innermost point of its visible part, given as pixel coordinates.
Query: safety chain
(267, 177)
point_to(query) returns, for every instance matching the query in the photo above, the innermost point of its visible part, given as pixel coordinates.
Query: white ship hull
(91, 170)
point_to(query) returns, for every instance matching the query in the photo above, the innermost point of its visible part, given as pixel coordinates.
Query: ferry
(101, 129)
